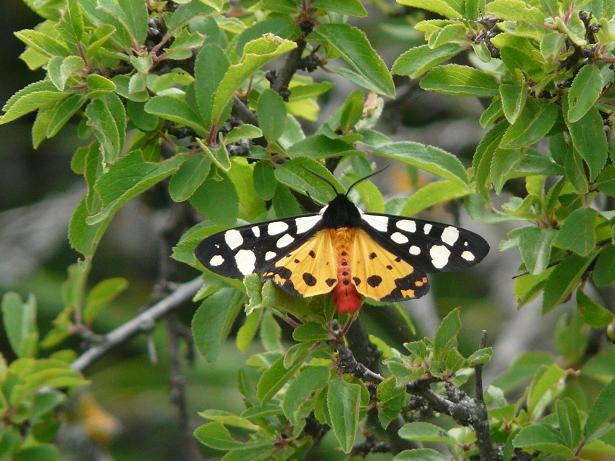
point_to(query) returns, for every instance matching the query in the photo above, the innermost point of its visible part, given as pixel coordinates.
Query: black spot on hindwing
(309, 279)
(374, 280)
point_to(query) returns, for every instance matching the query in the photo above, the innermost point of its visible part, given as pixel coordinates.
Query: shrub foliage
(209, 100)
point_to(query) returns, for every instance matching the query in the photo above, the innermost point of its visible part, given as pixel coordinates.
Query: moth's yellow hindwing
(381, 275)
(310, 269)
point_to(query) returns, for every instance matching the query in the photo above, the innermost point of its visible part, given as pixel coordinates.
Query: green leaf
(270, 333)
(589, 140)
(84, 237)
(176, 110)
(299, 392)
(189, 177)
(42, 452)
(107, 118)
(418, 60)
(392, 400)
(535, 247)
(264, 180)
(284, 202)
(354, 47)
(424, 432)
(601, 410)
(593, 313)
(294, 174)
(564, 279)
(213, 320)
(343, 404)
(229, 419)
(446, 8)
(310, 332)
(516, 10)
(432, 194)
(569, 422)
(101, 295)
(351, 111)
(271, 113)
(245, 131)
(419, 454)
(42, 42)
(256, 54)
(33, 97)
(513, 99)
(536, 120)
(545, 386)
(99, 86)
(578, 233)
(446, 335)
(275, 377)
(604, 271)
(19, 319)
(210, 66)
(141, 119)
(278, 25)
(207, 201)
(584, 92)
(428, 158)
(347, 7)
(62, 113)
(246, 333)
(544, 438)
(320, 146)
(61, 69)
(459, 80)
(216, 436)
(127, 178)
(483, 157)
(492, 113)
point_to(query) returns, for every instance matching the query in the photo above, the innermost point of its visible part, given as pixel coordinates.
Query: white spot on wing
(427, 228)
(233, 238)
(256, 231)
(465, 244)
(323, 209)
(305, 223)
(439, 256)
(216, 261)
(450, 235)
(269, 255)
(414, 250)
(284, 241)
(398, 237)
(246, 260)
(380, 223)
(406, 225)
(275, 228)
(468, 256)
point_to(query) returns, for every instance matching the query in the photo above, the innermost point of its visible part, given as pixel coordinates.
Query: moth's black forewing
(467, 241)
(217, 246)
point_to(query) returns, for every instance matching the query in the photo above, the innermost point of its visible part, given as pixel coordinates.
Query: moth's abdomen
(345, 295)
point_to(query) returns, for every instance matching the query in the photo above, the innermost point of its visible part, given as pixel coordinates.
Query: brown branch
(464, 409)
(143, 322)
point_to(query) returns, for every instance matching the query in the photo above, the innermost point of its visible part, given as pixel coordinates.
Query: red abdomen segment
(345, 296)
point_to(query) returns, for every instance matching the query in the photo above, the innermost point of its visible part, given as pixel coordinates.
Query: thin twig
(143, 322)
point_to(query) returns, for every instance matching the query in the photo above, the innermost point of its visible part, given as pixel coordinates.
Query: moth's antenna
(325, 179)
(366, 177)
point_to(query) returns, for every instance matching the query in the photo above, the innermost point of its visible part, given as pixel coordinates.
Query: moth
(344, 251)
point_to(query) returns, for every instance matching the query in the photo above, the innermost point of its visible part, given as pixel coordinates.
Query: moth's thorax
(345, 295)
(341, 212)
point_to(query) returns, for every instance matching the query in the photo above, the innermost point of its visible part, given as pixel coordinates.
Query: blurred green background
(131, 394)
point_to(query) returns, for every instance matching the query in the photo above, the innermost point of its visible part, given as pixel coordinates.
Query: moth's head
(341, 212)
